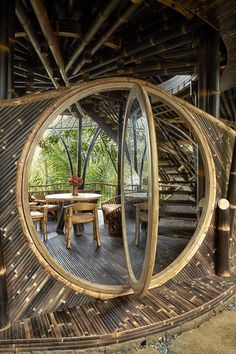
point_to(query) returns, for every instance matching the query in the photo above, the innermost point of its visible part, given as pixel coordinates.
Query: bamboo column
(89, 151)
(79, 153)
(66, 150)
(214, 73)
(11, 42)
(3, 290)
(4, 48)
(4, 51)
(134, 123)
(202, 104)
(231, 194)
(208, 87)
(223, 238)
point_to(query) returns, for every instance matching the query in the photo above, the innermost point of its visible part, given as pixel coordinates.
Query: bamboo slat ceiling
(64, 42)
(59, 43)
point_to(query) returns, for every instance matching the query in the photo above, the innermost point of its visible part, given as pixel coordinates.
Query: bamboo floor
(115, 321)
(103, 323)
(106, 265)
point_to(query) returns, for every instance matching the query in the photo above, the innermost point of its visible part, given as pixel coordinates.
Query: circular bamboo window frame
(141, 285)
(69, 97)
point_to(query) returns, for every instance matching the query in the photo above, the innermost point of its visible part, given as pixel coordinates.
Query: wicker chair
(78, 213)
(40, 216)
(111, 209)
(42, 203)
(141, 215)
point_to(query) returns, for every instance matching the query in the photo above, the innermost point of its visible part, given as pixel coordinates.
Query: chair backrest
(143, 206)
(39, 196)
(32, 206)
(84, 206)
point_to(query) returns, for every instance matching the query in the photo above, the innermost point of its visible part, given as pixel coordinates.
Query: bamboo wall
(31, 290)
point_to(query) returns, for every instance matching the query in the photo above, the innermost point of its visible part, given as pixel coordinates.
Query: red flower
(75, 180)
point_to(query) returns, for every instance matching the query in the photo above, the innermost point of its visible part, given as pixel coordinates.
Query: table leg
(61, 222)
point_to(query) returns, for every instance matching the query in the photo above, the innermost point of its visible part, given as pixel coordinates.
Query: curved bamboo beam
(68, 97)
(89, 151)
(66, 150)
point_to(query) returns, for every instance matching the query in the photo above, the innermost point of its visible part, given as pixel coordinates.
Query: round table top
(69, 197)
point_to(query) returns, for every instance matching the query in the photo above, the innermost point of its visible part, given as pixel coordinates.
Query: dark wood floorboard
(106, 265)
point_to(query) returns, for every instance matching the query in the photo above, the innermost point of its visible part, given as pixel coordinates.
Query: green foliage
(50, 163)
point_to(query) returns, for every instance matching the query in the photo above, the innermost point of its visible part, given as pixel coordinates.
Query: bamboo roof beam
(173, 4)
(120, 21)
(26, 24)
(170, 44)
(42, 16)
(19, 67)
(94, 27)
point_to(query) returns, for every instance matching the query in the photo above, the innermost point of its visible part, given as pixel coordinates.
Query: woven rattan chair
(78, 213)
(111, 209)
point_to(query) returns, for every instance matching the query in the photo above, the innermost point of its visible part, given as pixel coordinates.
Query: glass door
(139, 189)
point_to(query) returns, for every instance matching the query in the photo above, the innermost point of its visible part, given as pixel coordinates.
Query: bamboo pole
(214, 73)
(223, 238)
(231, 194)
(134, 128)
(202, 104)
(11, 41)
(120, 130)
(121, 20)
(4, 51)
(66, 150)
(94, 27)
(79, 146)
(33, 37)
(202, 72)
(3, 290)
(89, 151)
(50, 36)
(152, 47)
(4, 48)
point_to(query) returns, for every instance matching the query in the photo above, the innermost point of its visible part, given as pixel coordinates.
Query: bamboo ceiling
(60, 43)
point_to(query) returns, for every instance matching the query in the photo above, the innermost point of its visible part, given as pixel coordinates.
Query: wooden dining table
(68, 198)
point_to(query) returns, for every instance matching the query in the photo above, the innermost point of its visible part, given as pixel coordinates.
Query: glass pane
(136, 167)
(139, 190)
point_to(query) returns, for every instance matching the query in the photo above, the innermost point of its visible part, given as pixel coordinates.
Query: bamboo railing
(107, 190)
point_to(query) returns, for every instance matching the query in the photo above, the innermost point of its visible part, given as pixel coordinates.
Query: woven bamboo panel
(30, 289)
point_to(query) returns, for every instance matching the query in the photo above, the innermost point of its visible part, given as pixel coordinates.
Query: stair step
(177, 182)
(171, 168)
(177, 215)
(173, 231)
(173, 173)
(165, 192)
(177, 202)
(174, 235)
(166, 164)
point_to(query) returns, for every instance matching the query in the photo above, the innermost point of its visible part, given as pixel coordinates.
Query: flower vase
(75, 189)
